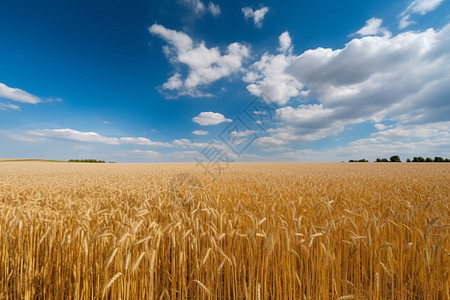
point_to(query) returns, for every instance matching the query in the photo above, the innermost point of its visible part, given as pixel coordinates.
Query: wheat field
(257, 231)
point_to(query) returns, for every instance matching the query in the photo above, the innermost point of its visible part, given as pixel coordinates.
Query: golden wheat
(257, 231)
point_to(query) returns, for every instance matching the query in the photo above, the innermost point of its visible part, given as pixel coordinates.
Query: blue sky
(144, 81)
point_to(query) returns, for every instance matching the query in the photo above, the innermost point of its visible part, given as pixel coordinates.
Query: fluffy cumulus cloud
(377, 78)
(285, 42)
(256, 15)
(373, 76)
(205, 65)
(421, 7)
(308, 122)
(210, 118)
(199, 8)
(268, 76)
(17, 95)
(373, 27)
(403, 78)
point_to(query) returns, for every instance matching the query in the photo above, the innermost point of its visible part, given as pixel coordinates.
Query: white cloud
(145, 153)
(405, 21)
(257, 15)
(199, 8)
(40, 135)
(174, 82)
(291, 134)
(93, 137)
(403, 78)
(379, 126)
(303, 114)
(181, 41)
(20, 136)
(251, 77)
(268, 75)
(374, 76)
(269, 141)
(200, 132)
(285, 42)
(46, 135)
(242, 137)
(428, 140)
(196, 6)
(187, 143)
(7, 106)
(407, 140)
(205, 65)
(142, 141)
(373, 27)
(421, 7)
(439, 130)
(242, 133)
(71, 134)
(210, 118)
(424, 6)
(17, 95)
(251, 157)
(214, 9)
(183, 155)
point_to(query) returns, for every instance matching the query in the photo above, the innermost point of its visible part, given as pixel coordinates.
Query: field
(258, 231)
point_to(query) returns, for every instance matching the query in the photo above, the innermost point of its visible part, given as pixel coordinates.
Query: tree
(384, 160)
(408, 160)
(395, 158)
(429, 159)
(87, 160)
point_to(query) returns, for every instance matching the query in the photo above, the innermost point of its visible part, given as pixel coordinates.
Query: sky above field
(193, 80)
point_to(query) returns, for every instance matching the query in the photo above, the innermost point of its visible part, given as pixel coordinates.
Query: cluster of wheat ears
(257, 231)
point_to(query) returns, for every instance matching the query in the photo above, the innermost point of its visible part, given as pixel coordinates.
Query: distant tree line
(396, 158)
(358, 160)
(87, 161)
(428, 159)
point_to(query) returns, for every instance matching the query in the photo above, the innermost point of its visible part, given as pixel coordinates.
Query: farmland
(256, 231)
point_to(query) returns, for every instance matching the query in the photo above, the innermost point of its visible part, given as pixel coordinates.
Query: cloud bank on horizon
(384, 91)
